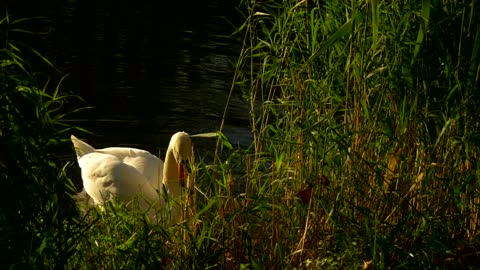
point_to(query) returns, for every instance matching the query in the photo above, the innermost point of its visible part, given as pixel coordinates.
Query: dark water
(149, 68)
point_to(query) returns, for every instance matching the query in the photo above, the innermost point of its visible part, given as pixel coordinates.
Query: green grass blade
(423, 28)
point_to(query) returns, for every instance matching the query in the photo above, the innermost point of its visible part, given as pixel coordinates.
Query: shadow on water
(149, 68)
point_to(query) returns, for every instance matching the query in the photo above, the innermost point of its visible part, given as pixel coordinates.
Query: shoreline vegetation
(365, 153)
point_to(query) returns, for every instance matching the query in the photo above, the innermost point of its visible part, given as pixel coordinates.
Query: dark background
(148, 68)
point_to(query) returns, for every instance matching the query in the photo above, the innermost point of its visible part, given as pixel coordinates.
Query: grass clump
(35, 213)
(364, 114)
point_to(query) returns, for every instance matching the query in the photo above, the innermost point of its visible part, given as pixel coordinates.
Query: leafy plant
(36, 211)
(372, 97)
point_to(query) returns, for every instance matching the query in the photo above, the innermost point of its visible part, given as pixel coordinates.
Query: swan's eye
(186, 165)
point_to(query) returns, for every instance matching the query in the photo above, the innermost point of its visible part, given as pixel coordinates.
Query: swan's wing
(150, 166)
(81, 148)
(147, 164)
(106, 177)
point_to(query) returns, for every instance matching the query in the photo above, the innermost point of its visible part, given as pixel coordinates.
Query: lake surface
(149, 68)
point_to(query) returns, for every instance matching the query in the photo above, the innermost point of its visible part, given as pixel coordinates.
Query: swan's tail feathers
(81, 148)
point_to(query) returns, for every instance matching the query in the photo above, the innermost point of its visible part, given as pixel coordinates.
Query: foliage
(35, 209)
(366, 111)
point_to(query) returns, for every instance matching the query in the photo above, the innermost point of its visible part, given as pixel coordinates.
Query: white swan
(127, 173)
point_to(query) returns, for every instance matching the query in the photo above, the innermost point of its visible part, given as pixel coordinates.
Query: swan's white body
(150, 166)
(127, 173)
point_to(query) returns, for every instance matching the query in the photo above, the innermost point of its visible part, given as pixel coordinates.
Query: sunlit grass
(362, 95)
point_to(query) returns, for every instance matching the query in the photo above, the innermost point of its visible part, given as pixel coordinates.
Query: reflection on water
(150, 68)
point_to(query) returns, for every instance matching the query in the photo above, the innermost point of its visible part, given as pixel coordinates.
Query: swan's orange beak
(182, 172)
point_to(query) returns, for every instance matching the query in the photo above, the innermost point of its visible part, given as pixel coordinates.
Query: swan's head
(181, 146)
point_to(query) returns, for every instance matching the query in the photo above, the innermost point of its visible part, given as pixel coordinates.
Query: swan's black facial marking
(183, 171)
(186, 166)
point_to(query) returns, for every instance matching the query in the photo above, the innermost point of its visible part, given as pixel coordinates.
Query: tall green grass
(365, 152)
(36, 212)
(365, 110)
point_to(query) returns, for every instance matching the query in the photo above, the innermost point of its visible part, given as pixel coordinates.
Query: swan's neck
(170, 176)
